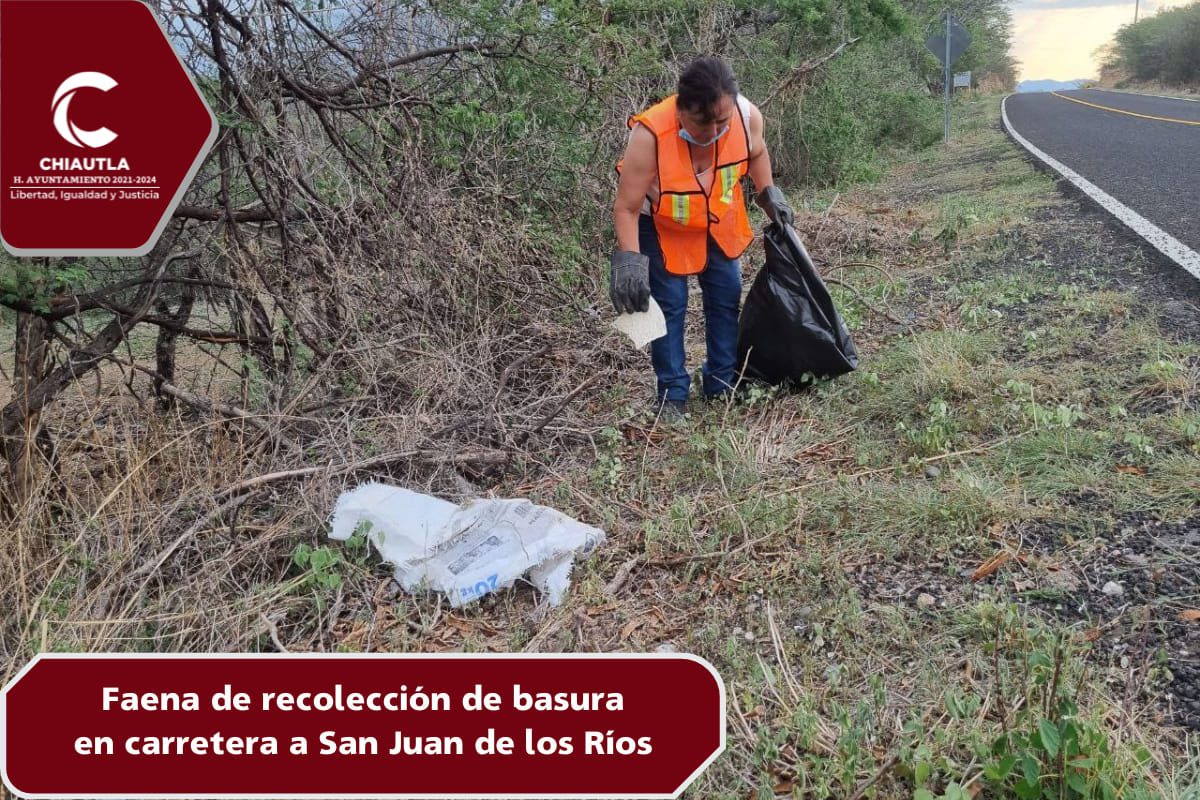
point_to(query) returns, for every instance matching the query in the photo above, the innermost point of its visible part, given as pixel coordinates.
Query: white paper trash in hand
(643, 326)
(469, 551)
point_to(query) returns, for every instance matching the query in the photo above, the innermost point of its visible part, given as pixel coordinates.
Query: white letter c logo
(62, 98)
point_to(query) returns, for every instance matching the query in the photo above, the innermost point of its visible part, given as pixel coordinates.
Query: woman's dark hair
(702, 84)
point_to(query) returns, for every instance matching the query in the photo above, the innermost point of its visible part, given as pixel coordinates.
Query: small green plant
(757, 394)
(954, 791)
(1161, 371)
(978, 316)
(1010, 291)
(1047, 750)
(321, 563)
(1190, 428)
(348, 384)
(947, 236)
(938, 433)
(1022, 401)
(608, 471)
(609, 467)
(1062, 416)
(1018, 388)
(849, 306)
(1067, 291)
(1139, 443)
(356, 546)
(1059, 754)
(322, 570)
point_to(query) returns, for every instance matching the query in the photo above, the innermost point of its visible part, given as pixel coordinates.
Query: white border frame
(1162, 241)
(184, 185)
(360, 656)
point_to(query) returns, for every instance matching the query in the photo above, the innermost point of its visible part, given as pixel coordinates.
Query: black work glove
(776, 206)
(629, 284)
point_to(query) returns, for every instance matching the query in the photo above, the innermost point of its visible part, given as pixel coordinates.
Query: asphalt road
(1150, 165)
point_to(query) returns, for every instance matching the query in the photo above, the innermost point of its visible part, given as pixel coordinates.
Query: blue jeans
(721, 287)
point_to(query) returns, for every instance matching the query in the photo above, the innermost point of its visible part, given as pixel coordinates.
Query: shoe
(672, 410)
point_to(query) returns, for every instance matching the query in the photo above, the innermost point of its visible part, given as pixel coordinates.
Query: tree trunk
(164, 346)
(24, 446)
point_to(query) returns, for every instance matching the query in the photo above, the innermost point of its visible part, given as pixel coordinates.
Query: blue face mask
(687, 137)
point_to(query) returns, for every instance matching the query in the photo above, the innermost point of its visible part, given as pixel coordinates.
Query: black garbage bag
(789, 330)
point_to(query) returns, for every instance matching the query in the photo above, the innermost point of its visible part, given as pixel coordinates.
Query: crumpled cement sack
(466, 551)
(643, 327)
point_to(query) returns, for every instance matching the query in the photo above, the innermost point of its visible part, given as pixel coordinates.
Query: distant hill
(1050, 86)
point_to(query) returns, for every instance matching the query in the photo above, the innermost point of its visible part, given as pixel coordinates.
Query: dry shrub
(367, 311)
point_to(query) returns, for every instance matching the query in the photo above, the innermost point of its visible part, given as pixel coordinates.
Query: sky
(1057, 39)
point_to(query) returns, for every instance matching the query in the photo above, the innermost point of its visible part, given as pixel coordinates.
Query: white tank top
(706, 176)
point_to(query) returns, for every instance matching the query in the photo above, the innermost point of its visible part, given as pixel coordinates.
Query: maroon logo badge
(101, 128)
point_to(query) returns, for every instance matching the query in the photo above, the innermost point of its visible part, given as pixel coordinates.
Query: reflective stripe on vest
(681, 208)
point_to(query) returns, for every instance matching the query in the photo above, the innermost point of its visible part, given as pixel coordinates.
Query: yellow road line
(1123, 111)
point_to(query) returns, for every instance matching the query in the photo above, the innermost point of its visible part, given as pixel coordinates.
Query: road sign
(962, 79)
(959, 38)
(103, 128)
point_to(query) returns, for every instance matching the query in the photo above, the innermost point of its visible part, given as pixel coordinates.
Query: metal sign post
(946, 80)
(948, 45)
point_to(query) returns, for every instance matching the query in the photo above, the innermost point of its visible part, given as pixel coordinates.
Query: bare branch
(803, 69)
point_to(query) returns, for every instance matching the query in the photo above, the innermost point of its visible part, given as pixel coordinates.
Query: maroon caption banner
(101, 127)
(561, 725)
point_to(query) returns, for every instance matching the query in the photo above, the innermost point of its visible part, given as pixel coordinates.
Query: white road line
(1162, 241)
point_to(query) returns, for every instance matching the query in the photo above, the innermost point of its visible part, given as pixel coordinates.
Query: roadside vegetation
(904, 575)
(1159, 52)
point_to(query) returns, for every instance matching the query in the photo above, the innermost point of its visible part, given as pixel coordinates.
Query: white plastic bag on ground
(468, 551)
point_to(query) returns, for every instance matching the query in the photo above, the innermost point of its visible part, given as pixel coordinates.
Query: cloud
(1058, 39)
(1050, 5)
(1147, 8)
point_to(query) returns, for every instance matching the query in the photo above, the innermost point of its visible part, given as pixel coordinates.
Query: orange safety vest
(684, 215)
